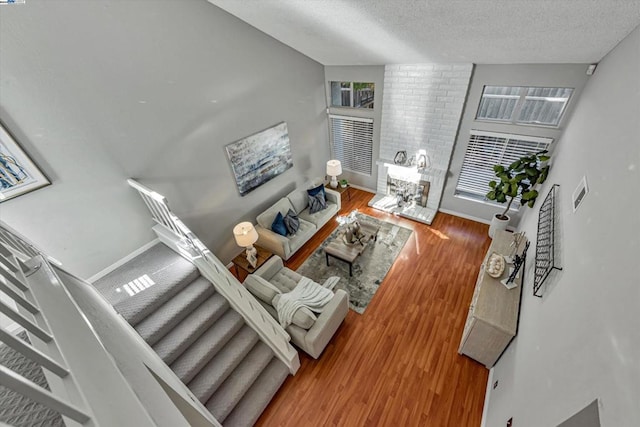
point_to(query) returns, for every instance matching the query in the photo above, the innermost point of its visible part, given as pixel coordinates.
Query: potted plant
(343, 183)
(519, 179)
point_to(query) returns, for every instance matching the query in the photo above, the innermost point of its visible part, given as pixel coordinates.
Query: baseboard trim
(357, 187)
(472, 218)
(487, 396)
(465, 216)
(122, 261)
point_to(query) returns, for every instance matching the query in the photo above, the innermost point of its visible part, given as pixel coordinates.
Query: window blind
(487, 149)
(524, 105)
(352, 142)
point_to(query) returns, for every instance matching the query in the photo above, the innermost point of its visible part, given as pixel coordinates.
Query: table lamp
(246, 235)
(334, 168)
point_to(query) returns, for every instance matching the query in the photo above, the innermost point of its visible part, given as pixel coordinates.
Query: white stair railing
(175, 234)
(87, 386)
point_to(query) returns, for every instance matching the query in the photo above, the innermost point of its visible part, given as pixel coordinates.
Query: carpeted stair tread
(234, 387)
(172, 312)
(189, 330)
(193, 330)
(256, 399)
(220, 367)
(187, 366)
(168, 270)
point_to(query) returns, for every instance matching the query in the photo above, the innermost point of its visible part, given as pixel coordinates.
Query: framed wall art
(18, 174)
(260, 157)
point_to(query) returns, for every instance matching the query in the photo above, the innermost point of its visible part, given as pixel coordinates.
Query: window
(486, 149)
(352, 94)
(524, 105)
(352, 142)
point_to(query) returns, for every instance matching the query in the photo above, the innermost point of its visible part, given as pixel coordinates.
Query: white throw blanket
(307, 293)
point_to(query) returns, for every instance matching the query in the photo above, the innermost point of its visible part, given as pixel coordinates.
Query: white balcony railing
(74, 342)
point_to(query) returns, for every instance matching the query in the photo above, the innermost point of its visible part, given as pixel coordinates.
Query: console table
(493, 314)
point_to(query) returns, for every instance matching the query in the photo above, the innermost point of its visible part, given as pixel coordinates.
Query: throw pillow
(278, 225)
(317, 200)
(315, 190)
(261, 288)
(303, 317)
(292, 222)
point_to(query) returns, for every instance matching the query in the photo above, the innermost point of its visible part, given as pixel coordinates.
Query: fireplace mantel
(388, 203)
(426, 172)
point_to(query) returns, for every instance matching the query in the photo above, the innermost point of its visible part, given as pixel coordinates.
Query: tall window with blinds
(352, 142)
(487, 149)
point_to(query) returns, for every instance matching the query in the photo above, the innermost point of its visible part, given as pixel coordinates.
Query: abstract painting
(260, 157)
(18, 174)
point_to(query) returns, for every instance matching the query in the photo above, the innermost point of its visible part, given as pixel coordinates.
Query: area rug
(369, 269)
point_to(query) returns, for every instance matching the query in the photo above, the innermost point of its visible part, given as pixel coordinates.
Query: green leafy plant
(519, 179)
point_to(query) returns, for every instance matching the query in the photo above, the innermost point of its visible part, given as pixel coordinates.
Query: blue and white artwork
(260, 157)
(18, 174)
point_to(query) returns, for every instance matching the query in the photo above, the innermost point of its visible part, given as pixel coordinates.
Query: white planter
(498, 224)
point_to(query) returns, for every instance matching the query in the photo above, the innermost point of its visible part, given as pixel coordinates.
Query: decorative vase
(348, 236)
(498, 223)
(400, 158)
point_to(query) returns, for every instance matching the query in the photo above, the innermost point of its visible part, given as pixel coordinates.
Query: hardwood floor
(398, 363)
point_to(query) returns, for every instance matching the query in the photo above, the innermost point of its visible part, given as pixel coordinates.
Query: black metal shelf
(545, 244)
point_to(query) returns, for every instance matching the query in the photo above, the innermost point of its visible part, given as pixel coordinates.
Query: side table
(341, 190)
(242, 266)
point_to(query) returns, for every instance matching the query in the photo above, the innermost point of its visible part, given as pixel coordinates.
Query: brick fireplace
(421, 109)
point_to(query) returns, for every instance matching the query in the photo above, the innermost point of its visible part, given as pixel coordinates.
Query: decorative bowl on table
(495, 264)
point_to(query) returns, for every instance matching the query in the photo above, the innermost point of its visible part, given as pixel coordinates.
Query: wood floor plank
(398, 363)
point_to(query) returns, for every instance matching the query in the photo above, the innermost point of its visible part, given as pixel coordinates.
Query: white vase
(498, 224)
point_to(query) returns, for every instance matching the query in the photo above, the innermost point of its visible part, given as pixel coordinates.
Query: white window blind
(487, 149)
(352, 142)
(544, 105)
(524, 105)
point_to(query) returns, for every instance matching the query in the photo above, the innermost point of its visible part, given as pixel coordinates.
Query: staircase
(196, 333)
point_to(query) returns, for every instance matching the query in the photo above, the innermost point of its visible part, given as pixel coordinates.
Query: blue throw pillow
(317, 199)
(278, 225)
(292, 222)
(316, 190)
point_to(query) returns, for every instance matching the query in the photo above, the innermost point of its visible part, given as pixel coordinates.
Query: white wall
(581, 341)
(544, 75)
(100, 91)
(375, 74)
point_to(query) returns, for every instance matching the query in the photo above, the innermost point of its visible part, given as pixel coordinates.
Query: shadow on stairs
(195, 331)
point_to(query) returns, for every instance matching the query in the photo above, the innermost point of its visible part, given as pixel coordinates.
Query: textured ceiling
(367, 32)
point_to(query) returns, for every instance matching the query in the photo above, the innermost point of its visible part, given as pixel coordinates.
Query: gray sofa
(309, 332)
(298, 201)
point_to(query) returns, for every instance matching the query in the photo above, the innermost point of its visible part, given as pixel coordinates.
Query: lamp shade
(245, 234)
(334, 167)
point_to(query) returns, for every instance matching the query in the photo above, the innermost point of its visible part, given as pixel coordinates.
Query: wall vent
(579, 193)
